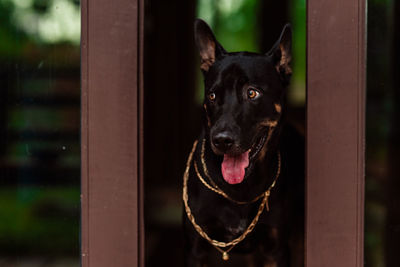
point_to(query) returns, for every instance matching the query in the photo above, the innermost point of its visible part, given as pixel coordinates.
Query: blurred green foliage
(40, 119)
(234, 22)
(12, 38)
(42, 21)
(39, 40)
(30, 220)
(297, 92)
(28, 23)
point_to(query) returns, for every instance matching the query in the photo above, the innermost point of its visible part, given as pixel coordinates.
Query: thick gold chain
(214, 187)
(218, 244)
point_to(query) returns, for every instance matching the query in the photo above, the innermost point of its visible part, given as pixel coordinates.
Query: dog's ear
(208, 46)
(281, 52)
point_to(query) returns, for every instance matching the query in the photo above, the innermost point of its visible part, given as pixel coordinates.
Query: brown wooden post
(335, 133)
(110, 132)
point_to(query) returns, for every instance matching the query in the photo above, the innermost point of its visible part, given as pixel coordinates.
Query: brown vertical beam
(141, 248)
(335, 133)
(110, 133)
(84, 136)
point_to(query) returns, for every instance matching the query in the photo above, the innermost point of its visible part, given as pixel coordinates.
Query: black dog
(247, 168)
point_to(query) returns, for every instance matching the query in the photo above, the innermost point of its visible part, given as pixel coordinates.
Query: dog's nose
(223, 141)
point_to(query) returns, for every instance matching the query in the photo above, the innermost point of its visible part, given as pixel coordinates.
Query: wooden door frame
(336, 65)
(112, 133)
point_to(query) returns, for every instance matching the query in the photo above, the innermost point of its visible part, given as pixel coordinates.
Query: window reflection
(39, 132)
(382, 210)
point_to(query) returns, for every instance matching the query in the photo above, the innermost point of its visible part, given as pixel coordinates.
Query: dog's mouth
(234, 167)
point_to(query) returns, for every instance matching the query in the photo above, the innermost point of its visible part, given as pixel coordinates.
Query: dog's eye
(211, 96)
(252, 93)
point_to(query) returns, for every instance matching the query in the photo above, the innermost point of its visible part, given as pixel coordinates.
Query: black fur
(233, 124)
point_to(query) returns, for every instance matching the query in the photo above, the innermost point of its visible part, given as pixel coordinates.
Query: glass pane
(382, 213)
(174, 95)
(39, 133)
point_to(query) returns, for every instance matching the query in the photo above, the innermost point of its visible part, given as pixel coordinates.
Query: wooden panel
(109, 133)
(141, 243)
(335, 133)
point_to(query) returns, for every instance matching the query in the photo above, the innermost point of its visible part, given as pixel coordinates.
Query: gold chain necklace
(214, 187)
(218, 244)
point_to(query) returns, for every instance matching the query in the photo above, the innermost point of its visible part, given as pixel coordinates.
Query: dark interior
(173, 114)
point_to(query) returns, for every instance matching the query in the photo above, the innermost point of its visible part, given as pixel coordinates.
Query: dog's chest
(239, 229)
(228, 222)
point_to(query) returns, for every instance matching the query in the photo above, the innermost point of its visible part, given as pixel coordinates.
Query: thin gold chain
(218, 244)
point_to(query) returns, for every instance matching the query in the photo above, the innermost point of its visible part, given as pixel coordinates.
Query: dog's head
(243, 99)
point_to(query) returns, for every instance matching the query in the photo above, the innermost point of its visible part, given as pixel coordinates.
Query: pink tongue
(233, 167)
